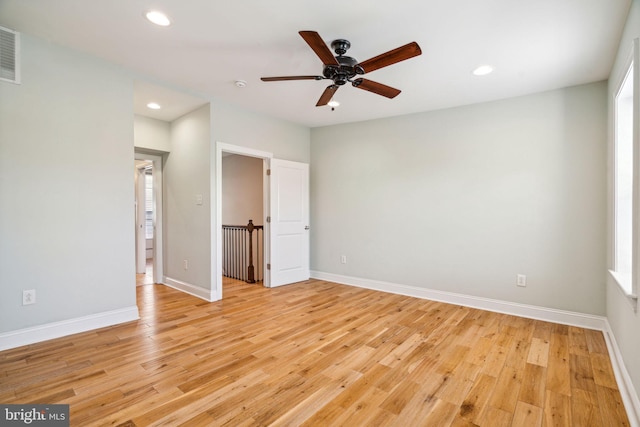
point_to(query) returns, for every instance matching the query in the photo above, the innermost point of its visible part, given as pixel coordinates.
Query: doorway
(286, 227)
(148, 233)
(243, 218)
(223, 150)
(144, 222)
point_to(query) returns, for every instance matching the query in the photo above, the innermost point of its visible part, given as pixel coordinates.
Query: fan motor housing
(343, 73)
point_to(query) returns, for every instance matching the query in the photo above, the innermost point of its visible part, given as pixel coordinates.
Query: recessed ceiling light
(158, 18)
(333, 103)
(154, 105)
(483, 70)
(241, 83)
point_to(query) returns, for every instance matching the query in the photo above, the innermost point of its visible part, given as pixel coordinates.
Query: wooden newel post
(250, 278)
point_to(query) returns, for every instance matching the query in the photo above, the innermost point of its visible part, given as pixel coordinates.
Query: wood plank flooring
(318, 353)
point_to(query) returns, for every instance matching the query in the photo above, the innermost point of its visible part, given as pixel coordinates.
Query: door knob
(306, 227)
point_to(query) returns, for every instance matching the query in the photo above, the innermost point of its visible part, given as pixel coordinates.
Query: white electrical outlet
(29, 297)
(343, 259)
(521, 280)
(185, 264)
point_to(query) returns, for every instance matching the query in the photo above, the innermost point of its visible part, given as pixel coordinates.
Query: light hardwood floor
(319, 353)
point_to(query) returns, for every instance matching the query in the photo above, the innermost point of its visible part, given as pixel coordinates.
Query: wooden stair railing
(241, 246)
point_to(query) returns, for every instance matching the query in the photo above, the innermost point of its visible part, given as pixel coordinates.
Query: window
(626, 214)
(623, 181)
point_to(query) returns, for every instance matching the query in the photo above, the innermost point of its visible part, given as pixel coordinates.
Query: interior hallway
(147, 277)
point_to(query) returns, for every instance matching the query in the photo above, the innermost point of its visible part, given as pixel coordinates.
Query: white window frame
(627, 281)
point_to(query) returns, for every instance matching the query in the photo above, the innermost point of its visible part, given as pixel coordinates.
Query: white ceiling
(533, 45)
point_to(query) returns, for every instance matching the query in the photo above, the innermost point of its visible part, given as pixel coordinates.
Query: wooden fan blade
(376, 87)
(327, 95)
(278, 79)
(318, 45)
(393, 56)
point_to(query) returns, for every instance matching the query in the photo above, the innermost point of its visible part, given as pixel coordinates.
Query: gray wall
(151, 134)
(187, 225)
(242, 190)
(66, 188)
(624, 321)
(462, 200)
(235, 126)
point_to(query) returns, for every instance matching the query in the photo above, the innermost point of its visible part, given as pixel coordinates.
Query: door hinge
(268, 219)
(268, 172)
(268, 266)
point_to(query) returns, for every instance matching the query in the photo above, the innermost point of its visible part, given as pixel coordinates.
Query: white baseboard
(196, 291)
(523, 310)
(625, 385)
(63, 328)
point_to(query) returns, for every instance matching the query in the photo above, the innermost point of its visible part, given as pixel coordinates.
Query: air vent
(9, 55)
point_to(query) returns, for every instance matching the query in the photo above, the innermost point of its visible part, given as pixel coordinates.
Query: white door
(141, 242)
(289, 211)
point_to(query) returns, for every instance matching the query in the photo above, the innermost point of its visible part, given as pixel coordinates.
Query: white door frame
(216, 223)
(158, 244)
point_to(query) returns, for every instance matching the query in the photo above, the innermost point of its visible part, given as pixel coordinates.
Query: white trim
(63, 328)
(266, 231)
(245, 151)
(571, 318)
(630, 298)
(190, 289)
(217, 218)
(635, 250)
(625, 385)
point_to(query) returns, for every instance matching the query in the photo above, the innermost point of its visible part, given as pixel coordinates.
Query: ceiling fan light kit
(483, 70)
(158, 18)
(342, 69)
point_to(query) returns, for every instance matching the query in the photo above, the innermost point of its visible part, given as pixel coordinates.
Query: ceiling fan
(342, 69)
